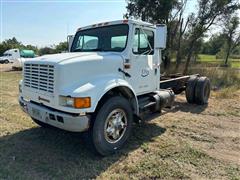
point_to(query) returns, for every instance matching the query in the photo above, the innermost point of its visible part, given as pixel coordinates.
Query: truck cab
(109, 77)
(10, 56)
(133, 42)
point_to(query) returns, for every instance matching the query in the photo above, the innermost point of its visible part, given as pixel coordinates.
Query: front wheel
(112, 125)
(6, 61)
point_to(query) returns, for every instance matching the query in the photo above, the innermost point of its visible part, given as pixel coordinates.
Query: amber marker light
(83, 102)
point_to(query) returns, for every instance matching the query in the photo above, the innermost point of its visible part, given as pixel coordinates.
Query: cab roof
(125, 21)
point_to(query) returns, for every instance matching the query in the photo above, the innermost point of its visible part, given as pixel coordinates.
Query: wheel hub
(115, 125)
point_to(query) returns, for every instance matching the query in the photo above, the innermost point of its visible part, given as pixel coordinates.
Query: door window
(143, 42)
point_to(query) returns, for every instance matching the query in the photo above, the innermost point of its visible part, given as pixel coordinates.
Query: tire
(6, 61)
(105, 144)
(202, 90)
(190, 89)
(42, 124)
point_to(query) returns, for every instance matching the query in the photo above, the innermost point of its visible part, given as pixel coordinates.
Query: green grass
(235, 64)
(204, 58)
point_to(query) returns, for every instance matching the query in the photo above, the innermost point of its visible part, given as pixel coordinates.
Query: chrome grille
(39, 76)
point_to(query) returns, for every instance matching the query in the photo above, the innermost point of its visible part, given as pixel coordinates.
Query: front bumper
(55, 118)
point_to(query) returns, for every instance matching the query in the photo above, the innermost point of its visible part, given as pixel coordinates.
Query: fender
(97, 88)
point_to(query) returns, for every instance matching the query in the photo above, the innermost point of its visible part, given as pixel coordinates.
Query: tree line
(187, 31)
(14, 43)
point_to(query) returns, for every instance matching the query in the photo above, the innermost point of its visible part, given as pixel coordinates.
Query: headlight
(76, 102)
(69, 101)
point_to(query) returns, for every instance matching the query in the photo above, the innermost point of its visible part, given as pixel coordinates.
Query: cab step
(146, 102)
(148, 105)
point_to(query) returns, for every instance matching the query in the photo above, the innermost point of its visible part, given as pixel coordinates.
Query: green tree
(236, 51)
(182, 27)
(208, 12)
(31, 47)
(46, 50)
(61, 47)
(9, 44)
(232, 34)
(14, 43)
(213, 45)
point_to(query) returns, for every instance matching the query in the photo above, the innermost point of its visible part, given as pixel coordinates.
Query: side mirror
(70, 41)
(161, 36)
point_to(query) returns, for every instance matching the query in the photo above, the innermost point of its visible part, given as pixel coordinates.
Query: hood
(72, 70)
(2, 57)
(70, 57)
(87, 67)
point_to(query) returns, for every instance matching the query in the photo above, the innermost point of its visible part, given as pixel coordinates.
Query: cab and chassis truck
(110, 77)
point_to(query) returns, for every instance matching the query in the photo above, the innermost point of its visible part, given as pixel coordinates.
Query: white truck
(110, 77)
(10, 56)
(14, 55)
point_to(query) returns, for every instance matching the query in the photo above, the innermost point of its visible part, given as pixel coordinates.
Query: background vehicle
(11, 55)
(110, 77)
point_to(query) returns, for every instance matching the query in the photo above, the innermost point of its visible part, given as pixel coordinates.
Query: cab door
(142, 61)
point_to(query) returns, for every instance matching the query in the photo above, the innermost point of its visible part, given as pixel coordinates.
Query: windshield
(108, 38)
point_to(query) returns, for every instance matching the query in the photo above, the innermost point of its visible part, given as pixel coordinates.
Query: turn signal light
(83, 102)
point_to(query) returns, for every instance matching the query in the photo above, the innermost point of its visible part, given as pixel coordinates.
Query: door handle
(125, 73)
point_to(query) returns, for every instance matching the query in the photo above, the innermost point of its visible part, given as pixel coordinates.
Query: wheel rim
(115, 126)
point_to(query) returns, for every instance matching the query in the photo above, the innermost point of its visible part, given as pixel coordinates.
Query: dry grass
(223, 78)
(229, 92)
(5, 67)
(189, 141)
(220, 77)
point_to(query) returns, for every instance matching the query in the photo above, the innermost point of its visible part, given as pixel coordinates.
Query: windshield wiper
(77, 50)
(87, 50)
(97, 49)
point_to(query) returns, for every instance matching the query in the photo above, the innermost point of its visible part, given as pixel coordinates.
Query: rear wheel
(202, 91)
(190, 89)
(6, 61)
(112, 126)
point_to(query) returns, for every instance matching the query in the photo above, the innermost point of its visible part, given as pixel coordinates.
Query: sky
(45, 23)
(48, 22)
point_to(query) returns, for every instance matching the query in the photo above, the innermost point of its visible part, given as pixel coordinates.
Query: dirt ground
(215, 130)
(186, 142)
(5, 67)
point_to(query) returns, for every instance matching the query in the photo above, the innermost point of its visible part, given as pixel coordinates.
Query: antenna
(67, 28)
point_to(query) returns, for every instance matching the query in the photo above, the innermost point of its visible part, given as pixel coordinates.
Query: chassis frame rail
(176, 82)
